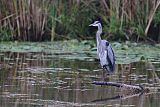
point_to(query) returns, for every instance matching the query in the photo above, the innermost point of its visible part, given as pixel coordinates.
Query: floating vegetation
(72, 49)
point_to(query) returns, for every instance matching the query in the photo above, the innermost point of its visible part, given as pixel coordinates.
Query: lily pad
(85, 50)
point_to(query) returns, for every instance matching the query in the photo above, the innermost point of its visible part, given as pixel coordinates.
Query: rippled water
(54, 80)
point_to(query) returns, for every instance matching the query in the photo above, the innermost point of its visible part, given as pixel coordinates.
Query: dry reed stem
(28, 19)
(151, 17)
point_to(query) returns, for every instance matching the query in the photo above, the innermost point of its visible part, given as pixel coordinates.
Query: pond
(60, 75)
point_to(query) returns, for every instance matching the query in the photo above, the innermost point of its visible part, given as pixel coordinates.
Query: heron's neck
(99, 28)
(98, 35)
(98, 38)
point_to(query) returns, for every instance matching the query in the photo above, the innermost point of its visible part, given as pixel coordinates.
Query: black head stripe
(96, 22)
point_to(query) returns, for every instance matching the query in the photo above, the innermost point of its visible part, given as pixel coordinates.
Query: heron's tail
(108, 68)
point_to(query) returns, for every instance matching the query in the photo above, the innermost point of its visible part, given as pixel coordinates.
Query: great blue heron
(104, 50)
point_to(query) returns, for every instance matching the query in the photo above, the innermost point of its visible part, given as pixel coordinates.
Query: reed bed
(49, 20)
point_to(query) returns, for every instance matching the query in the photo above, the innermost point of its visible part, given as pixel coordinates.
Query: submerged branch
(120, 85)
(126, 91)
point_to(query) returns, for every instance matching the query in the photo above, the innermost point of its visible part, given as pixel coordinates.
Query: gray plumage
(104, 50)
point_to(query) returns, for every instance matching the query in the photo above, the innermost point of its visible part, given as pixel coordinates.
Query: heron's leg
(102, 76)
(105, 75)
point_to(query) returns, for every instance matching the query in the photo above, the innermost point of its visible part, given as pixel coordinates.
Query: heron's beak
(91, 25)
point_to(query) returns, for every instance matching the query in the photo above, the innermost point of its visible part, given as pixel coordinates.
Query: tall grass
(39, 20)
(130, 17)
(26, 19)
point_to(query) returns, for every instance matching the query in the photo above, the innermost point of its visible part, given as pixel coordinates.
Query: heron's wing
(110, 54)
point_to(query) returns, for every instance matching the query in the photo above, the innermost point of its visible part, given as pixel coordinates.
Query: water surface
(41, 79)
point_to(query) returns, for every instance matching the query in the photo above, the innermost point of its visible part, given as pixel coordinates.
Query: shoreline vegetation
(50, 20)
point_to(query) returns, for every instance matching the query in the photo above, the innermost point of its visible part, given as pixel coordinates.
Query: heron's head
(97, 24)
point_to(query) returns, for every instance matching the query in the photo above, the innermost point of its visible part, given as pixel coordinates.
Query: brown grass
(29, 20)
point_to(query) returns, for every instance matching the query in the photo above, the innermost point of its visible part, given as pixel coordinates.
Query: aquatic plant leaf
(72, 49)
